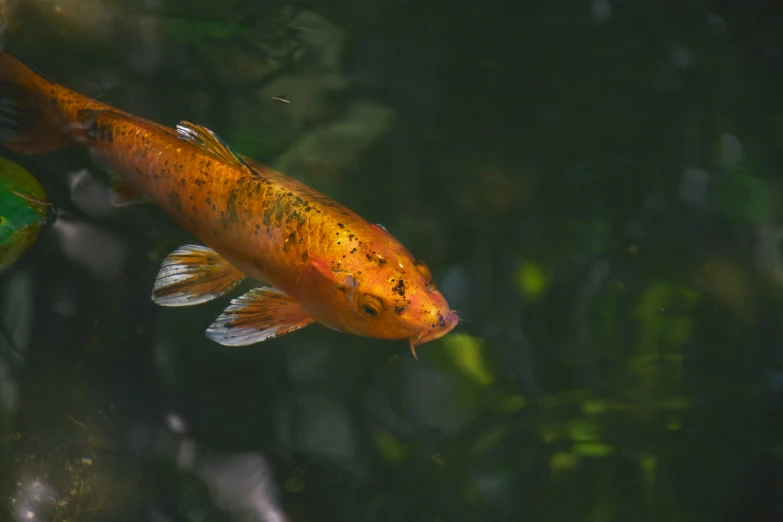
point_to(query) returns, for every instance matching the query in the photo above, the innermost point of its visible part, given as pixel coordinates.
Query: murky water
(595, 186)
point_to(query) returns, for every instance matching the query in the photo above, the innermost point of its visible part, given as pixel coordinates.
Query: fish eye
(371, 305)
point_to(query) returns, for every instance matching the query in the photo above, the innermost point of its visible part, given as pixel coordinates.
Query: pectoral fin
(260, 314)
(194, 274)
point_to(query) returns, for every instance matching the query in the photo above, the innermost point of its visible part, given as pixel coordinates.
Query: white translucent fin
(261, 314)
(194, 274)
(210, 143)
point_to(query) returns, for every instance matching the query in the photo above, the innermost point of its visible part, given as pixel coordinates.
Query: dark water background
(595, 185)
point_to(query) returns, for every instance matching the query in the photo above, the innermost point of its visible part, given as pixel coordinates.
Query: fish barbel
(321, 261)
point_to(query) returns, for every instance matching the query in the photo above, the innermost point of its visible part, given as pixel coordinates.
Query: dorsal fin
(211, 143)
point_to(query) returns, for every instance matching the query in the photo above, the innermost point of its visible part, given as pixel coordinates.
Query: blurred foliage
(595, 186)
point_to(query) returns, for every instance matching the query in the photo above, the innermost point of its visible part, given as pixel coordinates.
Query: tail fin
(24, 125)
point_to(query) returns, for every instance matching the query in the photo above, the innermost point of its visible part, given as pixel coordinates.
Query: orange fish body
(323, 262)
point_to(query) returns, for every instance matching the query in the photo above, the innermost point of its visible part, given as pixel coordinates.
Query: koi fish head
(384, 293)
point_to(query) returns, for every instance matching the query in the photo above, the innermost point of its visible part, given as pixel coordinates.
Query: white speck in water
(175, 423)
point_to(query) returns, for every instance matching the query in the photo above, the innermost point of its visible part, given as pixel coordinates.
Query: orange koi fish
(321, 261)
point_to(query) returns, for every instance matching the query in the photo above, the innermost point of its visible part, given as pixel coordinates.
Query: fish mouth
(447, 324)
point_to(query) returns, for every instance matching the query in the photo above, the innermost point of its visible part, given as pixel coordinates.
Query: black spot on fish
(399, 288)
(340, 225)
(279, 206)
(175, 203)
(268, 216)
(293, 216)
(305, 256)
(441, 321)
(105, 133)
(398, 310)
(238, 194)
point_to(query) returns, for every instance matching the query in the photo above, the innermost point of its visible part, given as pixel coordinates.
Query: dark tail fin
(24, 124)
